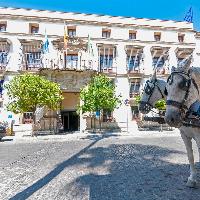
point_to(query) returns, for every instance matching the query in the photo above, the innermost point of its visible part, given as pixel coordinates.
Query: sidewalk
(92, 136)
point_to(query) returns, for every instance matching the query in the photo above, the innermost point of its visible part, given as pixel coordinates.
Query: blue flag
(45, 46)
(189, 16)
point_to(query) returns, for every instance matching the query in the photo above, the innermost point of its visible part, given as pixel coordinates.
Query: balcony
(31, 51)
(133, 68)
(3, 63)
(107, 65)
(159, 63)
(32, 61)
(72, 64)
(4, 51)
(80, 65)
(32, 66)
(160, 59)
(134, 59)
(182, 55)
(88, 65)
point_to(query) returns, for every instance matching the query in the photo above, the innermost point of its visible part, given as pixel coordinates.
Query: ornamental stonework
(71, 82)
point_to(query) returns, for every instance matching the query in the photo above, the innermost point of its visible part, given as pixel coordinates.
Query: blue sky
(159, 9)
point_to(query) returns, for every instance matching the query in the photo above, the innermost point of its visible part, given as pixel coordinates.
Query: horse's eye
(184, 85)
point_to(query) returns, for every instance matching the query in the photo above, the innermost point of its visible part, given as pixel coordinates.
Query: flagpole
(64, 45)
(65, 60)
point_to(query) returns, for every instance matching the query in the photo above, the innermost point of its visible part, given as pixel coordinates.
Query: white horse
(183, 91)
(154, 90)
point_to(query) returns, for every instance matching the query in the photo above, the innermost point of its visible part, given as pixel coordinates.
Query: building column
(123, 115)
(83, 122)
(172, 58)
(79, 60)
(15, 55)
(94, 56)
(14, 64)
(121, 59)
(148, 68)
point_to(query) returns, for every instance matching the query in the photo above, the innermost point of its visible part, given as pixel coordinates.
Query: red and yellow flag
(65, 38)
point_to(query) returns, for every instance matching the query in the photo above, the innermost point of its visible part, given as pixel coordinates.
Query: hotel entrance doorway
(70, 121)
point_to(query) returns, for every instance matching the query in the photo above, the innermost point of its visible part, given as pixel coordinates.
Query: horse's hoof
(191, 183)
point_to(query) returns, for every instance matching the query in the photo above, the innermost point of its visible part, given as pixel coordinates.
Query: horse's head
(182, 93)
(154, 90)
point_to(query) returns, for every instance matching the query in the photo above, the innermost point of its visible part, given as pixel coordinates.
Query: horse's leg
(192, 179)
(197, 140)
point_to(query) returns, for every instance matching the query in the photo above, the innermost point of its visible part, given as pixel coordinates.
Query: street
(147, 166)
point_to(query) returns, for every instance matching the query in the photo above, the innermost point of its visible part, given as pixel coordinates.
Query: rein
(149, 90)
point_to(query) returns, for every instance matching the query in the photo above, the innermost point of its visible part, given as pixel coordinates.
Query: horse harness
(148, 89)
(183, 85)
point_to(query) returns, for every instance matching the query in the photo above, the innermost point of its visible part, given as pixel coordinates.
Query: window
(135, 88)
(1, 87)
(132, 35)
(34, 28)
(157, 36)
(106, 61)
(28, 118)
(181, 37)
(72, 61)
(133, 62)
(3, 26)
(158, 61)
(3, 58)
(33, 58)
(106, 56)
(106, 33)
(71, 31)
(135, 112)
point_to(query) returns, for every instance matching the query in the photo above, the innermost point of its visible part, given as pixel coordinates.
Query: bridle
(183, 85)
(148, 89)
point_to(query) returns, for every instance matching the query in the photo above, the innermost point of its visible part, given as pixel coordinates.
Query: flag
(189, 16)
(89, 47)
(65, 38)
(45, 46)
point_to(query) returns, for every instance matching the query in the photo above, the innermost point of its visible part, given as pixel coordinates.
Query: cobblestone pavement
(143, 167)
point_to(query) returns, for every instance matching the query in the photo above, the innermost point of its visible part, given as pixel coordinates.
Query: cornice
(98, 40)
(94, 23)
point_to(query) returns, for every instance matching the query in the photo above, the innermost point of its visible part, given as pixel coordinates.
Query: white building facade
(125, 49)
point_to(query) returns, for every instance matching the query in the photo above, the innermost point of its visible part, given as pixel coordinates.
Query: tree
(27, 92)
(99, 95)
(137, 99)
(161, 105)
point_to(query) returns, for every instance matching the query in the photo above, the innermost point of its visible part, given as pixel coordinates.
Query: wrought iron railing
(133, 69)
(32, 61)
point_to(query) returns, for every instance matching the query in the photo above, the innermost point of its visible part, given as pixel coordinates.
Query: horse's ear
(154, 75)
(188, 62)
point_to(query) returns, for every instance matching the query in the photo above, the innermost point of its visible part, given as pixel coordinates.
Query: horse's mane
(196, 72)
(193, 70)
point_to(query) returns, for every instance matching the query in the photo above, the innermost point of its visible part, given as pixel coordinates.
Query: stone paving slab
(147, 166)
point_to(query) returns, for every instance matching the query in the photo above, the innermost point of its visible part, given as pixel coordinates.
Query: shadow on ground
(131, 172)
